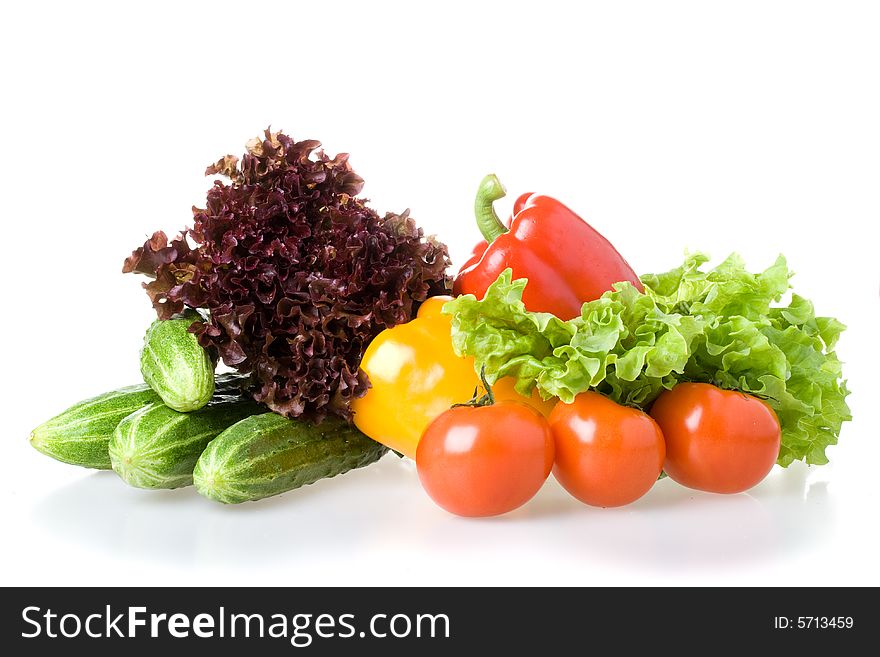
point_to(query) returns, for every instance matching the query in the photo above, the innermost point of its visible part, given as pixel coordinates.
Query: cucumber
(81, 434)
(157, 447)
(268, 454)
(176, 366)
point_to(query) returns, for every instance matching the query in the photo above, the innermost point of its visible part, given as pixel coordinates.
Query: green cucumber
(157, 447)
(81, 434)
(269, 454)
(176, 366)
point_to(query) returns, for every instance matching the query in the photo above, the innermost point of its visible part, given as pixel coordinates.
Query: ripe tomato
(721, 441)
(606, 454)
(487, 460)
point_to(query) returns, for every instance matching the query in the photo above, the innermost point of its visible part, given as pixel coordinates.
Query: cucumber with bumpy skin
(175, 365)
(81, 434)
(268, 454)
(157, 447)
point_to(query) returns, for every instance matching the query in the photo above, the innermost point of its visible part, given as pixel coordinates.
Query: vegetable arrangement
(551, 354)
(716, 327)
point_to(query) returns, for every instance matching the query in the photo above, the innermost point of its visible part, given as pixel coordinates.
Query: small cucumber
(176, 366)
(81, 434)
(268, 454)
(157, 447)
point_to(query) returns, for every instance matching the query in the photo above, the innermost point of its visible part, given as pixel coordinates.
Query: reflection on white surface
(382, 510)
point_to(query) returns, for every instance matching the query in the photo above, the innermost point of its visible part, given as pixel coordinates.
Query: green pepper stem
(490, 190)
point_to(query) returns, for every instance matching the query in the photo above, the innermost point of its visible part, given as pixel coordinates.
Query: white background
(748, 126)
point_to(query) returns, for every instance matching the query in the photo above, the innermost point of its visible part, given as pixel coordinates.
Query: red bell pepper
(565, 259)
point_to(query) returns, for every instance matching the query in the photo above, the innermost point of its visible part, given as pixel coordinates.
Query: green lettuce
(723, 326)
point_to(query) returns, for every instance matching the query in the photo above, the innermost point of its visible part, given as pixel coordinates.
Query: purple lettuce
(298, 273)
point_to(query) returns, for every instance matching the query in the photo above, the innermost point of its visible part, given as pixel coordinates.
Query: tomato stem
(477, 401)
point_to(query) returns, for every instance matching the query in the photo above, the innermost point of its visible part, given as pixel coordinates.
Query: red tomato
(721, 441)
(486, 460)
(606, 454)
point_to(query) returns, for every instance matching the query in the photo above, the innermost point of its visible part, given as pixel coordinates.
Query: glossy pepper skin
(565, 259)
(415, 376)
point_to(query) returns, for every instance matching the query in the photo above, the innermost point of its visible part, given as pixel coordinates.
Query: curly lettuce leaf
(721, 326)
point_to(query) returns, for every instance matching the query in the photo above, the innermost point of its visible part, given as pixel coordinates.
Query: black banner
(333, 621)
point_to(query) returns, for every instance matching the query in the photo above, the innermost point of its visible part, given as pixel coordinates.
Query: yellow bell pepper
(415, 375)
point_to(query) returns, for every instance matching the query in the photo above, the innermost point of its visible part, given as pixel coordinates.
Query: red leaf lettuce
(297, 272)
